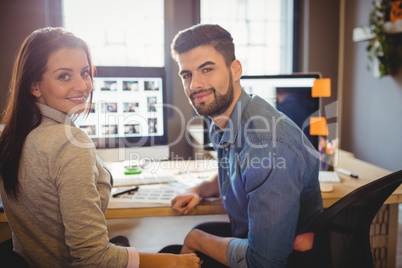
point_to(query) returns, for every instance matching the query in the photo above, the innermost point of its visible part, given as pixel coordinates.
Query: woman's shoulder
(59, 135)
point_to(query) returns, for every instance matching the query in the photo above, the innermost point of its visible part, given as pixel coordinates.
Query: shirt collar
(229, 134)
(55, 114)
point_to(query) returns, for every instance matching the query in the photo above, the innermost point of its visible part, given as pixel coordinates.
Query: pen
(126, 191)
(343, 171)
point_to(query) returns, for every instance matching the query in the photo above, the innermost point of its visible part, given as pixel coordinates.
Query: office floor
(152, 234)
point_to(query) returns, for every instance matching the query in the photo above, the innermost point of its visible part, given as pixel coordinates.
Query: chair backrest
(9, 258)
(341, 232)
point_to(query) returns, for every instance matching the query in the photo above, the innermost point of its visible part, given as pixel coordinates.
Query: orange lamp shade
(318, 126)
(396, 10)
(321, 88)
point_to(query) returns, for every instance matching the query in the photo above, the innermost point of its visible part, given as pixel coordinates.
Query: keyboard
(142, 179)
(328, 176)
(145, 177)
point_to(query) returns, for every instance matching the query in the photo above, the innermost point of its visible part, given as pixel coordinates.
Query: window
(119, 32)
(262, 32)
(126, 39)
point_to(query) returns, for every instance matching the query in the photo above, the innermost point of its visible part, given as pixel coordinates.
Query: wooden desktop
(367, 172)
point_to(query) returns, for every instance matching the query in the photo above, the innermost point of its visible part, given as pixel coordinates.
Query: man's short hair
(204, 35)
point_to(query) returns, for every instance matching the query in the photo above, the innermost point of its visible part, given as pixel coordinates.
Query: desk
(204, 208)
(383, 239)
(367, 172)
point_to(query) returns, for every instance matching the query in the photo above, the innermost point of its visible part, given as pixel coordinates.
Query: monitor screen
(128, 108)
(290, 94)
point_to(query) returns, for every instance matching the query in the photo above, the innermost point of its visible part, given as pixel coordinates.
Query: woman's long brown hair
(22, 115)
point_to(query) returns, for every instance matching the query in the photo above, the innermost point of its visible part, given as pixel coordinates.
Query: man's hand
(188, 245)
(211, 245)
(185, 202)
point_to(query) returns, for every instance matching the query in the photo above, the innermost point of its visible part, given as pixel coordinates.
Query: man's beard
(219, 105)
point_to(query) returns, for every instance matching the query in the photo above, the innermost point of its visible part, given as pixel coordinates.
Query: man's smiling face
(207, 80)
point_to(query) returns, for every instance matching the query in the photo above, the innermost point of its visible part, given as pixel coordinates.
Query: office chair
(339, 236)
(8, 258)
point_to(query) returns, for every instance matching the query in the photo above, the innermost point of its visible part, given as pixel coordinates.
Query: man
(267, 176)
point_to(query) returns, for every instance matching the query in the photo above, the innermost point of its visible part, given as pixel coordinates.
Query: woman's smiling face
(66, 83)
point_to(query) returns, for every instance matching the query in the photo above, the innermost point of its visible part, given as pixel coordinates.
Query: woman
(55, 189)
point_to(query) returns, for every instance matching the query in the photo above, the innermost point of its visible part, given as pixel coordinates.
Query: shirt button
(224, 197)
(226, 149)
(227, 173)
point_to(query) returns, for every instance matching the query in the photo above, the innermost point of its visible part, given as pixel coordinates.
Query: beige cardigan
(58, 220)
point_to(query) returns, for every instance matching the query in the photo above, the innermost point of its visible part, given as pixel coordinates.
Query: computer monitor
(128, 108)
(290, 94)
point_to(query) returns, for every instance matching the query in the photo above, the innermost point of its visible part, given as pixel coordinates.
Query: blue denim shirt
(268, 179)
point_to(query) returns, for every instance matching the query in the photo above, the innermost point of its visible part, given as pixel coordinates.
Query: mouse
(326, 187)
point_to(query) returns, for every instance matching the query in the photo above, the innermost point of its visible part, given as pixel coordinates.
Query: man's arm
(185, 202)
(211, 245)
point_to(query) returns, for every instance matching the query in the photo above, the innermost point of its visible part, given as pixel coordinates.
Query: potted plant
(385, 47)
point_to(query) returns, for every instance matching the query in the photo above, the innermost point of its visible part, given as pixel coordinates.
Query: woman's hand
(168, 260)
(188, 260)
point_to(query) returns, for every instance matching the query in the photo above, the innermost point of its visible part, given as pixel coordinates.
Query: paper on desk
(160, 194)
